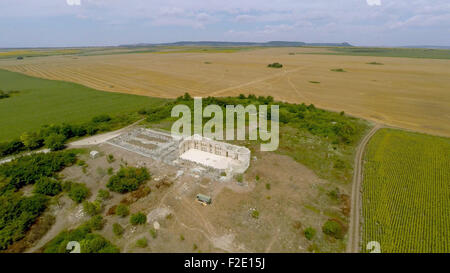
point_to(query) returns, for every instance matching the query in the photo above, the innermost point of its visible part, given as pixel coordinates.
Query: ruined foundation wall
(240, 155)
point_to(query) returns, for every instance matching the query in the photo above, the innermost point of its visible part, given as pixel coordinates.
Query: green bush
(255, 214)
(310, 233)
(153, 233)
(32, 140)
(118, 229)
(333, 228)
(55, 142)
(89, 242)
(128, 179)
(275, 65)
(92, 208)
(122, 210)
(103, 195)
(76, 191)
(95, 223)
(138, 219)
(47, 186)
(142, 242)
(110, 158)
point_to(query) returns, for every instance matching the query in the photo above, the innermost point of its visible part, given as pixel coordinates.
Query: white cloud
(373, 2)
(73, 2)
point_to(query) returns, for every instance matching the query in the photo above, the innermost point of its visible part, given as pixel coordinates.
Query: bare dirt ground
(404, 92)
(287, 196)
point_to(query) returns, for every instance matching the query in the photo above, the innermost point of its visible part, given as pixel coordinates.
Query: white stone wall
(239, 155)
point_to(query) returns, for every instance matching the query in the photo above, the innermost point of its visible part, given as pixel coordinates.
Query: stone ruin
(177, 150)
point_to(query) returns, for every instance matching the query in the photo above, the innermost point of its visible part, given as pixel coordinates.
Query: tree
(103, 195)
(77, 191)
(55, 142)
(138, 219)
(47, 186)
(92, 208)
(333, 228)
(122, 210)
(118, 229)
(31, 140)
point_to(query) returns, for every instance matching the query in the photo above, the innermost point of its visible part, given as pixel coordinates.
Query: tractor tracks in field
(353, 244)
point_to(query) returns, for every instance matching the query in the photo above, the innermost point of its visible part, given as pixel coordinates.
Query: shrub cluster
(17, 214)
(275, 65)
(47, 186)
(138, 219)
(128, 179)
(29, 169)
(122, 210)
(89, 241)
(76, 191)
(333, 228)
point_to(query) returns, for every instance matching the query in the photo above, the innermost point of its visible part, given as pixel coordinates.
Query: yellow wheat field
(404, 92)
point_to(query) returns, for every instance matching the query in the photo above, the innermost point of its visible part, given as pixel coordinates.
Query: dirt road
(97, 139)
(354, 231)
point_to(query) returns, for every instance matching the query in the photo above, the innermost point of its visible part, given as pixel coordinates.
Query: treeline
(339, 128)
(54, 137)
(17, 212)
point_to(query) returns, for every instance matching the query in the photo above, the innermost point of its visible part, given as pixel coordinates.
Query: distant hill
(213, 43)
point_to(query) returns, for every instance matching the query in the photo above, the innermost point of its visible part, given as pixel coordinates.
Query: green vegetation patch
(17, 214)
(275, 65)
(138, 219)
(406, 192)
(76, 191)
(128, 179)
(44, 102)
(29, 169)
(90, 242)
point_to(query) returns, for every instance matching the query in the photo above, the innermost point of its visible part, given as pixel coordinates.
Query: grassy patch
(55, 102)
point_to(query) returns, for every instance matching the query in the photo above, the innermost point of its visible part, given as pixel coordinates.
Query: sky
(65, 23)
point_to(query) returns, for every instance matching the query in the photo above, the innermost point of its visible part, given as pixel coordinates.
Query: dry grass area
(404, 92)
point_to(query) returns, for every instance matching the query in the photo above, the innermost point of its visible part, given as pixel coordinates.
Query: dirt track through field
(354, 233)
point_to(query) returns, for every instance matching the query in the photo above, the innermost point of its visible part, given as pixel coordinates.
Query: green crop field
(406, 192)
(41, 102)
(388, 52)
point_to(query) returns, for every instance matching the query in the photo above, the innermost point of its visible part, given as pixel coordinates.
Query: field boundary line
(354, 231)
